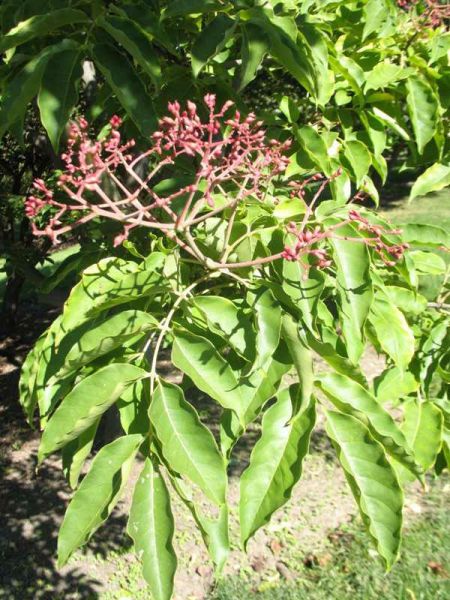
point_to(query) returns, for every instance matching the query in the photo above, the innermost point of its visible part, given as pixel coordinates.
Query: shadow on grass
(32, 504)
(32, 507)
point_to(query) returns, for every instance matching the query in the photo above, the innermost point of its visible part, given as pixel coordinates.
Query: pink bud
(210, 101)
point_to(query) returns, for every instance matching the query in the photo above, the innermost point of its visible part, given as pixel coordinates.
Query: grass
(351, 570)
(433, 209)
(346, 567)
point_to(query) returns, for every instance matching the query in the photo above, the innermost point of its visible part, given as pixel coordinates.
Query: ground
(312, 548)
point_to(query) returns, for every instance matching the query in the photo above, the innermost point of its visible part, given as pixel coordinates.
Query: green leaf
(41, 25)
(58, 94)
(214, 531)
(315, 147)
(407, 301)
(28, 375)
(292, 207)
(187, 445)
(422, 234)
(267, 312)
(392, 331)
(224, 318)
(135, 41)
(197, 357)
(127, 86)
(440, 45)
(111, 282)
(211, 41)
(422, 426)
(435, 178)
(88, 400)
(76, 262)
(75, 453)
(259, 387)
(275, 463)
(318, 45)
(97, 495)
(428, 262)
(19, 92)
(151, 526)
(352, 398)
(291, 51)
(180, 8)
(393, 384)
(372, 480)
(391, 121)
(359, 158)
(305, 293)
(354, 289)
(289, 109)
(37, 393)
(101, 338)
(133, 407)
(379, 18)
(423, 110)
(375, 130)
(329, 353)
(255, 45)
(383, 74)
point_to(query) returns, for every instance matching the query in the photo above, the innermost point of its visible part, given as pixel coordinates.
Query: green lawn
(350, 570)
(433, 209)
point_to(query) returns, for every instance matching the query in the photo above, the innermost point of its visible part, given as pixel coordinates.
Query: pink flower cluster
(86, 163)
(228, 153)
(434, 13)
(307, 240)
(242, 154)
(231, 160)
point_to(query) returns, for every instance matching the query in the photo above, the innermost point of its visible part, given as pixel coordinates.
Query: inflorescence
(233, 161)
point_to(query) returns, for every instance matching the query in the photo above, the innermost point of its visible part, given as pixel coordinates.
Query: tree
(248, 250)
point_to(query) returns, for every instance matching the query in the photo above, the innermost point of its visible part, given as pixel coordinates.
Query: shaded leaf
(99, 339)
(255, 45)
(180, 8)
(211, 41)
(19, 92)
(227, 320)
(75, 453)
(135, 41)
(127, 86)
(58, 94)
(40, 25)
(85, 403)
